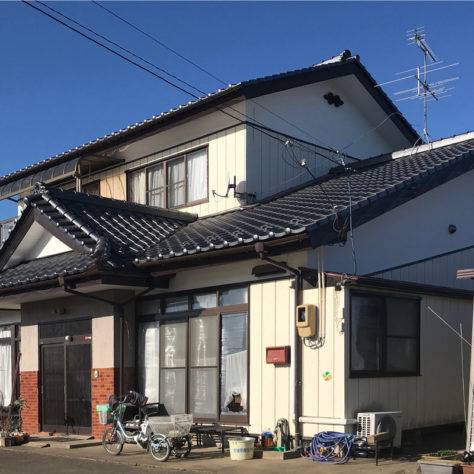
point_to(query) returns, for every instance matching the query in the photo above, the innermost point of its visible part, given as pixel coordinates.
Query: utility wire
(98, 43)
(205, 71)
(158, 42)
(90, 30)
(449, 326)
(153, 65)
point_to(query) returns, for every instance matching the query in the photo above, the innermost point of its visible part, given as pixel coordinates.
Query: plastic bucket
(241, 448)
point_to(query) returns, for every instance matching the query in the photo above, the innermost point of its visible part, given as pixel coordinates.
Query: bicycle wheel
(112, 441)
(182, 447)
(159, 447)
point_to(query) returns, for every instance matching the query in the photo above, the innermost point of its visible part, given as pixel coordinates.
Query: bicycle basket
(105, 416)
(173, 425)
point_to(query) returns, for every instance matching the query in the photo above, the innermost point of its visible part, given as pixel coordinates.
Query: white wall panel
(436, 271)
(411, 232)
(435, 397)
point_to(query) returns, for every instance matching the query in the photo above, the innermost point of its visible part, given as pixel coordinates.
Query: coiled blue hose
(330, 447)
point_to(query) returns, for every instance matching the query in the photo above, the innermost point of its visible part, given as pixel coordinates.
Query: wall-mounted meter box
(306, 320)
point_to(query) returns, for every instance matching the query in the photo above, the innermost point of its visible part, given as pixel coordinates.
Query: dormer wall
(357, 128)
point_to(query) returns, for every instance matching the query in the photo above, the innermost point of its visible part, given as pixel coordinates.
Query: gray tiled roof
(47, 268)
(313, 206)
(117, 233)
(112, 230)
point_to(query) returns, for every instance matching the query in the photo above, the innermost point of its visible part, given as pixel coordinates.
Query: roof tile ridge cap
(437, 145)
(124, 205)
(45, 194)
(229, 211)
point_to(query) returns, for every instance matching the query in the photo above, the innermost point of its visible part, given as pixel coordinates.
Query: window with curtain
(5, 366)
(172, 183)
(194, 356)
(385, 336)
(148, 359)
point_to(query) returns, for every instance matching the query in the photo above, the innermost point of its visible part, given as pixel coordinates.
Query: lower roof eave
(334, 278)
(293, 243)
(92, 276)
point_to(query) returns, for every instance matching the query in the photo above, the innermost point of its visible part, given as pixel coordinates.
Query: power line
(90, 30)
(158, 42)
(153, 73)
(98, 43)
(205, 71)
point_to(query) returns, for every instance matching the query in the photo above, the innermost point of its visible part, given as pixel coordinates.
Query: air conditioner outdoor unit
(370, 423)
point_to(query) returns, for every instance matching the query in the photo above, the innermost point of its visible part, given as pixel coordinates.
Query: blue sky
(58, 91)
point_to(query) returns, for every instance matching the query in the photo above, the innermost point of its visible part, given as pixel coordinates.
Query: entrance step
(58, 440)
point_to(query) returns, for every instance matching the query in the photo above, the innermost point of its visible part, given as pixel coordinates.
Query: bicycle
(132, 431)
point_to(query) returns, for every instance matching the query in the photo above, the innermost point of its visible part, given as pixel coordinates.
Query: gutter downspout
(295, 368)
(118, 309)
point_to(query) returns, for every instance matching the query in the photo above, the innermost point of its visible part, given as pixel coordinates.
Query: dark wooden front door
(66, 387)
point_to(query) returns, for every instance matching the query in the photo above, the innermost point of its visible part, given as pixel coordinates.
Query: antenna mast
(417, 37)
(424, 89)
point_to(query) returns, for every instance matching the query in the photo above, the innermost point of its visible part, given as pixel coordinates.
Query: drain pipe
(118, 309)
(295, 368)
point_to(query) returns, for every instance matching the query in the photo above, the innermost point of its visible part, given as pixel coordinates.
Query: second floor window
(173, 183)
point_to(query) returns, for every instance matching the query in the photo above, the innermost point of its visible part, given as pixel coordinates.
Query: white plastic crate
(173, 425)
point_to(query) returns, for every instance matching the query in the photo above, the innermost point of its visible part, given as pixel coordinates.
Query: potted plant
(446, 461)
(6, 438)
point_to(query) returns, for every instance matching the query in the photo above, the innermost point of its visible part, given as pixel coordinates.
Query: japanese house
(170, 257)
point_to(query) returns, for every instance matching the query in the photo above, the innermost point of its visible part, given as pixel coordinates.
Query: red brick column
(101, 388)
(29, 391)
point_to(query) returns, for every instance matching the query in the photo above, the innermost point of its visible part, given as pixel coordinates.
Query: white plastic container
(241, 448)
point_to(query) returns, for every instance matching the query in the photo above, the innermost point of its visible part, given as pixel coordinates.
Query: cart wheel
(159, 447)
(184, 447)
(112, 441)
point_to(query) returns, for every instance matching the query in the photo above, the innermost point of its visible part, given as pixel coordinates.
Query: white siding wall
(270, 325)
(223, 136)
(436, 271)
(308, 116)
(436, 396)
(411, 232)
(321, 397)
(226, 152)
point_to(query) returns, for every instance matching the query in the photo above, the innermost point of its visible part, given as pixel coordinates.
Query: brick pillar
(29, 391)
(101, 388)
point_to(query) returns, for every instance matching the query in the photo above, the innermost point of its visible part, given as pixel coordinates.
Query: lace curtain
(5, 368)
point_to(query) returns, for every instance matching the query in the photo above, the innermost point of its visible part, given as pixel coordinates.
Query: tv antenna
(428, 91)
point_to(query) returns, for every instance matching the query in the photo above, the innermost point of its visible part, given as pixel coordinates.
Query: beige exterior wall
(29, 354)
(114, 185)
(227, 274)
(270, 325)
(323, 397)
(103, 342)
(436, 396)
(226, 159)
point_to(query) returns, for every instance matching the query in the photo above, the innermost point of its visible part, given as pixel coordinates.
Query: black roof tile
(47, 268)
(314, 205)
(111, 232)
(117, 233)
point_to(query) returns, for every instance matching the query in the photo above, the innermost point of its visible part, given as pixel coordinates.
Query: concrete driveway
(58, 459)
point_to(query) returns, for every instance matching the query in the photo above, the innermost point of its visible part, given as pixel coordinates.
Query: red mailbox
(278, 355)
